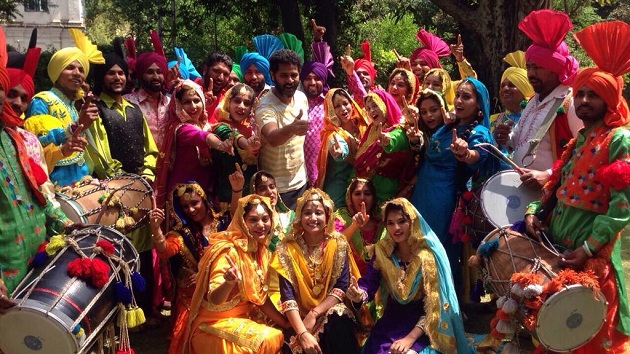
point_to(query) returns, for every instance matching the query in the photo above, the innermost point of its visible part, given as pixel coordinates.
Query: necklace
(314, 259)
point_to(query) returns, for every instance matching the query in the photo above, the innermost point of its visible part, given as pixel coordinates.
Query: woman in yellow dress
(231, 284)
(314, 267)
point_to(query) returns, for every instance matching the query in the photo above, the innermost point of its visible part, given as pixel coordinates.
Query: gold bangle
(316, 313)
(299, 336)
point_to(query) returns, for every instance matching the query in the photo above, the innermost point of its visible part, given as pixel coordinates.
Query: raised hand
(502, 132)
(347, 63)
(237, 180)
(299, 126)
(335, 149)
(75, 143)
(361, 218)
(318, 31)
(458, 49)
(227, 145)
(459, 146)
(402, 62)
(173, 72)
(232, 275)
(254, 144)
(88, 112)
(414, 134)
(409, 112)
(209, 95)
(354, 293)
(383, 138)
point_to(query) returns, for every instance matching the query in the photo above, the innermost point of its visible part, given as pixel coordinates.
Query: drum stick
(494, 151)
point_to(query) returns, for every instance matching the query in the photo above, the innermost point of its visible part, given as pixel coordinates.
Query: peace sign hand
(232, 275)
(414, 134)
(209, 94)
(383, 139)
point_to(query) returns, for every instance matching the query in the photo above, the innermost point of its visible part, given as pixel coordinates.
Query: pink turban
(433, 47)
(147, 59)
(547, 28)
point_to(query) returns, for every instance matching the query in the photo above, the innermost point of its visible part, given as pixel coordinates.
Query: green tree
(8, 10)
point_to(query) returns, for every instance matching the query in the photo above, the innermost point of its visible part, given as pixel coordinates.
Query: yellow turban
(85, 53)
(517, 74)
(63, 58)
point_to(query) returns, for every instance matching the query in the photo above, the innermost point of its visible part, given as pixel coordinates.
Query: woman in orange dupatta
(344, 125)
(314, 266)
(231, 283)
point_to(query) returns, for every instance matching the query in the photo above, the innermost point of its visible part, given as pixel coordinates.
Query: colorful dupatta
(332, 125)
(428, 276)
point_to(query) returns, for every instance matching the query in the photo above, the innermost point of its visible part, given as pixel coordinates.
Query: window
(35, 5)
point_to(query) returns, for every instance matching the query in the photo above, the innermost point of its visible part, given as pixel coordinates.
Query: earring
(479, 114)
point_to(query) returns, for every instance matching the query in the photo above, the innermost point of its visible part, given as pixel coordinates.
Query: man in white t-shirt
(281, 116)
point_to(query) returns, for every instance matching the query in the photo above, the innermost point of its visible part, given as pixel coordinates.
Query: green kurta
(23, 220)
(571, 226)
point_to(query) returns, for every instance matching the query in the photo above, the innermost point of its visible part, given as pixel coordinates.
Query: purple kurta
(397, 320)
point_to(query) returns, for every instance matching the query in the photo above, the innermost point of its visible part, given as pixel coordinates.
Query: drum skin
(516, 253)
(130, 193)
(50, 302)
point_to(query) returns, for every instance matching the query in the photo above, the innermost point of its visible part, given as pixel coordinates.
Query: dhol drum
(51, 304)
(105, 202)
(567, 318)
(500, 201)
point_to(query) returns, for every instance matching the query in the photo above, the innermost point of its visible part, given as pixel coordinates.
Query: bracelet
(421, 322)
(299, 336)
(238, 191)
(315, 312)
(586, 249)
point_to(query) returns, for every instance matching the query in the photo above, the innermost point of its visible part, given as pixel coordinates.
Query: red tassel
(106, 246)
(42, 247)
(468, 196)
(100, 273)
(38, 172)
(615, 176)
(467, 220)
(464, 237)
(455, 227)
(80, 267)
(125, 351)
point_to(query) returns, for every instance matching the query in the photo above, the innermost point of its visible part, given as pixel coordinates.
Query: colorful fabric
(21, 77)
(228, 325)
(517, 73)
(366, 62)
(331, 128)
(448, 87)
(412, 80)
(547, 29)
(155, 112)
(320, 70)
(312, 140)
(433, 47)
(145, 60)
(49, 116)
(427, 276)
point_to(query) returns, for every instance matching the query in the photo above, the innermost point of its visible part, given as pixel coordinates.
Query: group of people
(300, 218)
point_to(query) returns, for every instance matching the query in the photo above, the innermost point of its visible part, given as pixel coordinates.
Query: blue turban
(316, 68)
(261, 63)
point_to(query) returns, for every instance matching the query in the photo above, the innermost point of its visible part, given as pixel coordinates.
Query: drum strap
(544, 127)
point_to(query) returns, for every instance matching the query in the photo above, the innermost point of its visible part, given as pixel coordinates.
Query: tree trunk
(291, 19)
(492, 26)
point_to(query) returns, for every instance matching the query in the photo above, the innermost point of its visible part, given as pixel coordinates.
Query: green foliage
(8, 10)
(42, 82)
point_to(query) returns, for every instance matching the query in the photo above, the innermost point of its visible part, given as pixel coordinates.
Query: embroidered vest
(580, 188)
(125, 136)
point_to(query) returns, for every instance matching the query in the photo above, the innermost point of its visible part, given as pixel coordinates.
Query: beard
(286, 90)
(151, 86)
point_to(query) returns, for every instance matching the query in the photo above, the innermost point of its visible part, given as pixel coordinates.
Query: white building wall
(51, 25)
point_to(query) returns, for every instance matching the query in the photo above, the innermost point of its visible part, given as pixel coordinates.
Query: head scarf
(85, 53)
(483, 99)
(21, 77)
(366, 62)
(236, 68)
(517, 74)
(433, 47)
(318, 69)
(412, 81)
(429, 269)
(447, 85)
(387, 105)
(547, 28)
(261, 63)
(111, 59)
(280, 206)
(428, 93)
(313, 194)
(607, 44)
(332, 125)
(176, 117)
(181, 223)
(246, 254)
(222, 112)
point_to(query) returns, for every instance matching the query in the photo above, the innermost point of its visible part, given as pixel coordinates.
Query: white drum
(570, 318)
(504, 198)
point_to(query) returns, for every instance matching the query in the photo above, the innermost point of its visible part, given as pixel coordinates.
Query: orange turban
(607, 44)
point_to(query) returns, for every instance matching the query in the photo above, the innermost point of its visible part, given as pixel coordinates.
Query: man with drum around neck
(587, 198)
(549, 116)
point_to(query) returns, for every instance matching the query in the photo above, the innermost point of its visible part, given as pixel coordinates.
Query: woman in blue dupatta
(422, 313)
(451, 159)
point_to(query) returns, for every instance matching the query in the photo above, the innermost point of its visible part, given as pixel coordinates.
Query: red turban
(547, 28)
(366, 61)
(607, 44)
(21, 77)
(147, 59)
(433, 47)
